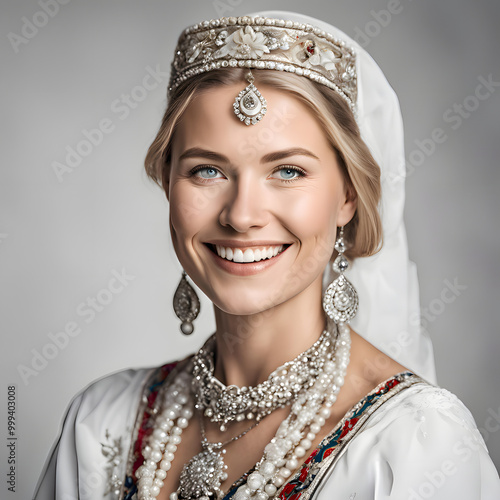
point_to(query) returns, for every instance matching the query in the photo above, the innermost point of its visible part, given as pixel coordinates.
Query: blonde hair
(363, 234)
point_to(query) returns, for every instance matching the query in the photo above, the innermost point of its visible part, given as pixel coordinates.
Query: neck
(250, 347)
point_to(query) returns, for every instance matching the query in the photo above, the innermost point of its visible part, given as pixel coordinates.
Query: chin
(245, 304)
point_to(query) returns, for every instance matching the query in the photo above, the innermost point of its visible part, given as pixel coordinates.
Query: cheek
(312, 219)
(186, 220)
(185, 215)
(313, 215)
(190, 208)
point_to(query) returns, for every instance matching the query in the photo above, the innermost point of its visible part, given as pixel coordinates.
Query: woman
(279, 142)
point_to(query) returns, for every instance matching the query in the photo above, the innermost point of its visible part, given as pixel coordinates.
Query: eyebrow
(286, 153)
(268, 158)
(203, 153)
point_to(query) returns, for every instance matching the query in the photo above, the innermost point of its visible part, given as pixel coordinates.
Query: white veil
(389, 308)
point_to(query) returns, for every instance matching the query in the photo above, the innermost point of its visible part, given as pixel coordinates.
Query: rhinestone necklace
(225, 404)
(205, 472)
(281, 456)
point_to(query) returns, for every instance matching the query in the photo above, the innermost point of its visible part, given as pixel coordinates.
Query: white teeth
(237, 255)
(249, 254)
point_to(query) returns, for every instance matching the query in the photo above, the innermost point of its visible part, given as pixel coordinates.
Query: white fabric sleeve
(62, 460)
(422, 444)
(105, 412)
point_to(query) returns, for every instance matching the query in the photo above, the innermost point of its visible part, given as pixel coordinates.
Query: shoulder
(421, 443)
(96, 434)
(114, 382)
(112, 401)
(427, 421)
(108, 389)
(117, 388)
(421, 401)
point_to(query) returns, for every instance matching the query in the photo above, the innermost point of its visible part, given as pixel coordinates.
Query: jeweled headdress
(264, 43)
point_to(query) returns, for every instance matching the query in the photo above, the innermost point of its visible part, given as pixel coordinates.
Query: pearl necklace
(159, 452)
(281, 456)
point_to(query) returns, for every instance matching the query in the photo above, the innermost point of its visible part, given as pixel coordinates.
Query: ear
(348, 208)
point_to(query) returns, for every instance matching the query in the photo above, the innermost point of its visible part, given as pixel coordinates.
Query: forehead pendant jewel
(249, 105)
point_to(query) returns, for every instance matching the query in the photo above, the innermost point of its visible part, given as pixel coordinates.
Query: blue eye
(206, 172)
(288, 173)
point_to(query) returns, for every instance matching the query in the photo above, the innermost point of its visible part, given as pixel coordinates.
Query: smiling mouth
(247, 255)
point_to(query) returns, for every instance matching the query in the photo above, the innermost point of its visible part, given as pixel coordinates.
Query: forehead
(209, 122)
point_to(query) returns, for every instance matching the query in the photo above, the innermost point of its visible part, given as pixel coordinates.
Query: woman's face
(254, 209)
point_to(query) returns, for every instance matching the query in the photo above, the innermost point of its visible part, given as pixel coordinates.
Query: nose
(245, 207)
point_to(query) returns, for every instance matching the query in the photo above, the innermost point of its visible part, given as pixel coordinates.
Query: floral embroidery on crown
(244, 44)
(263, 43)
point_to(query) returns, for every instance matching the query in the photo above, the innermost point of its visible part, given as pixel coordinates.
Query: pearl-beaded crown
(263, 43)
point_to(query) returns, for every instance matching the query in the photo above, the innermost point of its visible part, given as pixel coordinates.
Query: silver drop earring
(249, 105)
(341, 299)
(186, 305)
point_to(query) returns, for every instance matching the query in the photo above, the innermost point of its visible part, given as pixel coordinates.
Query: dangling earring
(341, 299)
(186, 305)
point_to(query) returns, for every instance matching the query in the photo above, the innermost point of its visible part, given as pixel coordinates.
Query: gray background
(61, 241)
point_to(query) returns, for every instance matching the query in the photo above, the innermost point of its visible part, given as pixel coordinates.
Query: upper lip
(246, 244)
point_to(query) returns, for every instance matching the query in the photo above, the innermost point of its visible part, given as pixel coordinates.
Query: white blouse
(421, 443)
